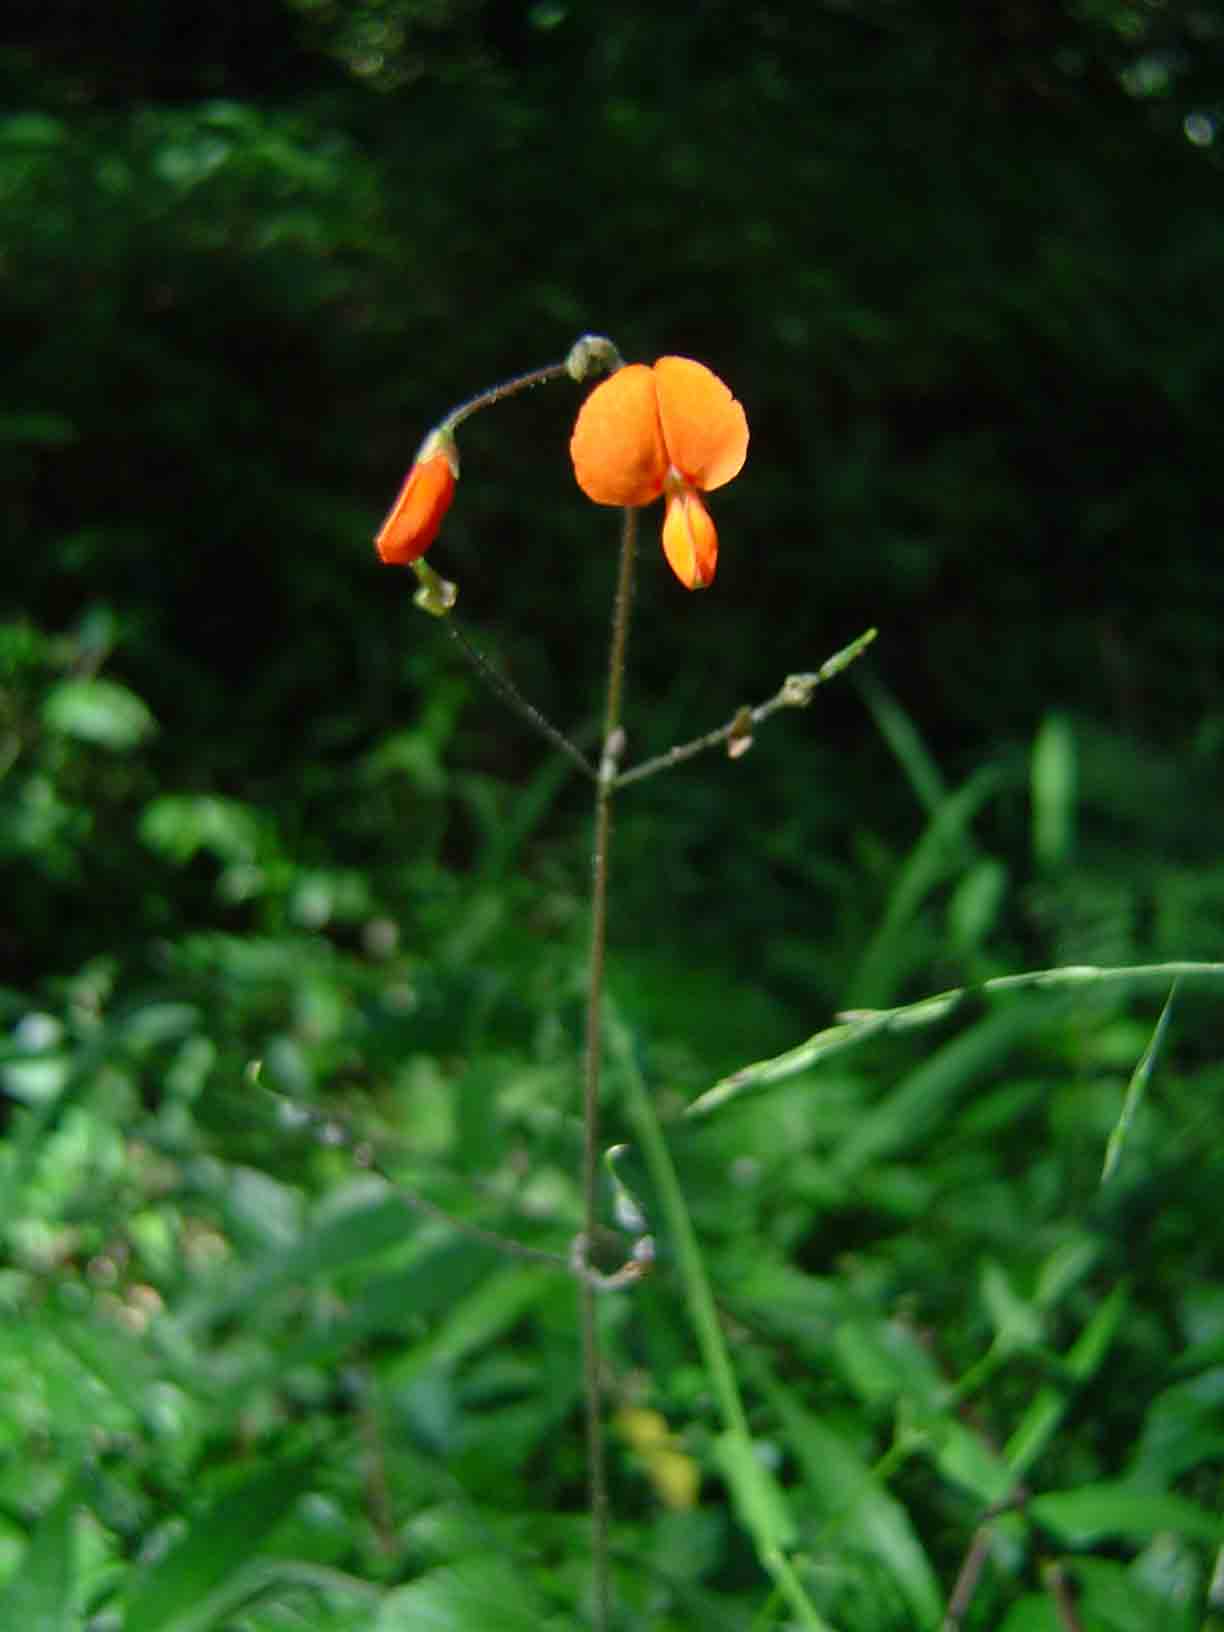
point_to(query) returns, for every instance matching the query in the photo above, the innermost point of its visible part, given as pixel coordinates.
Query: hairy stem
(604, 789)
(498, 393)
(795, 692)
(511, 695)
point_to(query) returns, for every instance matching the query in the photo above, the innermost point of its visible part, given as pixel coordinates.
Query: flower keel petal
(690, 541)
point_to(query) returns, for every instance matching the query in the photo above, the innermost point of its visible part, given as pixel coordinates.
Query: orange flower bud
(414, 519)
(673, 429)
(690, 542)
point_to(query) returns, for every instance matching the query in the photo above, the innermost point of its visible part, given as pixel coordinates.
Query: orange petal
(690, 542)
(617, 445)
(705, 430)
(415, 517)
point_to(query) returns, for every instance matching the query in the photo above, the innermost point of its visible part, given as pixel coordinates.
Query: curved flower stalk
(420, 507)
(673, 431)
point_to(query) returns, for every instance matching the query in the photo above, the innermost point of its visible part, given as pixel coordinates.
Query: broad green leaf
(434, 1282)
(126, 1368)
(1183, 1427)
(1094, 1513)
(1065, 1268)
(1041, 1419)
(356, 1234)
(1124, 1597)
(860, 1508)
(496, 1304)
(964, 1457)
(1017, 1323)
(153, 1024)
(883, 1361)
(473, 1595)
(98, 711)
(853, 1500)
(1035, 1612)
(218, 1544)
(39, 1597)
(180, 825)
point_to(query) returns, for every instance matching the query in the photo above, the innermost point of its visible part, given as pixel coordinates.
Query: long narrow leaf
(862, 1026)
(1040, 1422)
(1094, 1512)
(1136, 1089)
(919, 1103)
(851, 1497)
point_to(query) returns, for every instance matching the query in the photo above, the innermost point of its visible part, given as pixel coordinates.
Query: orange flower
(413, 521)
(672, 430)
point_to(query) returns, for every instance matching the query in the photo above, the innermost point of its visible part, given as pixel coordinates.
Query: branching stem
(795, 692)
(513, 697)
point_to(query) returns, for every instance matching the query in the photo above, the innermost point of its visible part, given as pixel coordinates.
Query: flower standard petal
(690, 541)
(617, 445)
(705, 430)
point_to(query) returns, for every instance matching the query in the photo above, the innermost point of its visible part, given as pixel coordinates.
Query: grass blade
(1136, 1089)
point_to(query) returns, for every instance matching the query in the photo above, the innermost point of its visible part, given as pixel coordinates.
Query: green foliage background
(285, 888)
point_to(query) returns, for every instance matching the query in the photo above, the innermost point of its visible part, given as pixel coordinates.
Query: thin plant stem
(795, 692)
(589, 354)
(511, 695)
(968, 1576)
(334, 1126)
(377, 1485)
(498, 393)
(1057, 1584)
(613, 742)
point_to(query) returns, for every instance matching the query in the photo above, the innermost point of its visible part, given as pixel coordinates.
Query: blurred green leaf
(98, 711)
(1049, 1405)
(1092, 1513)
(913, 1110)
(1136, 1089)
(36, 430)
(181, 825)
(351, 1236)
(858, 1507)
(1053, 786)
(1182, 1428)
(760, 1501)
(217, 1545)
(42, 1593)
(1035, 1612)
(1017, 1324)
(477, 1592)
